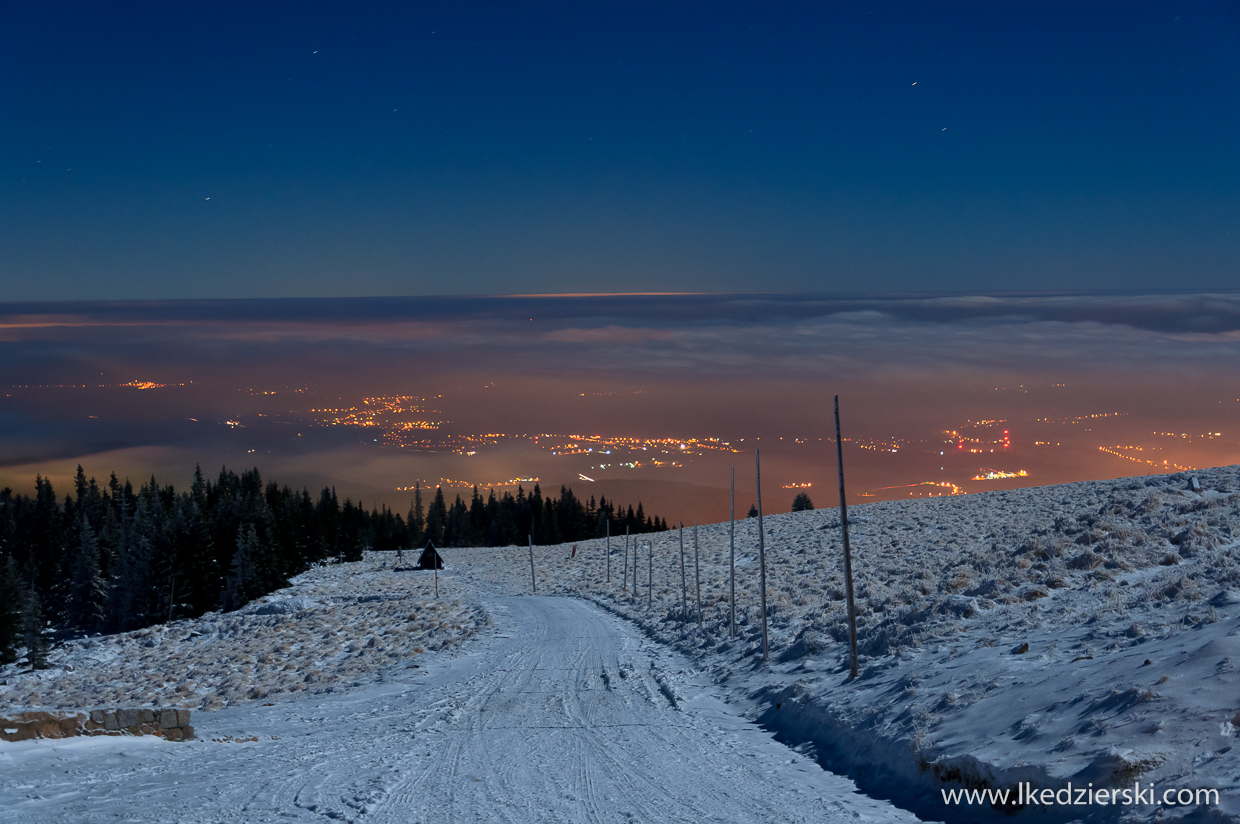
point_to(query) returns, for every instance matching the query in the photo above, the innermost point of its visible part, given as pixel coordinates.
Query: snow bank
(1085, 632)
(337, 625)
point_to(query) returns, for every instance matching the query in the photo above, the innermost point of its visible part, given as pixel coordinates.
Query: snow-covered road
(564, 714)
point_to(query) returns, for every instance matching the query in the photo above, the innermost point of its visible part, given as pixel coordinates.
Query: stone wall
(172, 724)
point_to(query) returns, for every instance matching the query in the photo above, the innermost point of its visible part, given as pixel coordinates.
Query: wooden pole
(757, 464)
(697, 576)
(853, 669)
(624, 578)
(650, 576)
(635, 545)
(684, 590)
(533, 581)
(435, 566)
(732, 552)
(607, 580)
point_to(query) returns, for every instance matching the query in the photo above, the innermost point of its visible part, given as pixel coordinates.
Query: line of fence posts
(697, 572)
(697, 576)
(732, 552)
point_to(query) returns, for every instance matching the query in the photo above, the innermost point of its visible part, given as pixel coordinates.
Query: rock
(182, 718)
(1021, 650)
(1194, 485)
(168, 719)
(96, 716)
(109, 721)
(126, 719)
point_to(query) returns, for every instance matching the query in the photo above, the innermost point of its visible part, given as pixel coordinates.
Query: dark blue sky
(240, 150)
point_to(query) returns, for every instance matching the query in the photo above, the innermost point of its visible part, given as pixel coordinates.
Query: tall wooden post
(635, 546)
(854, 670)
(650, 576)
(435, 566)
(697, 576)
(607, 580)
(624, 578)
(533, 582)
(757, 464)
(684, 591)
(732, 552)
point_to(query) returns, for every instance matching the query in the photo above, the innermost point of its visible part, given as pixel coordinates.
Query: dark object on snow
(430, 558)
(1194, 485)
(1021, 650)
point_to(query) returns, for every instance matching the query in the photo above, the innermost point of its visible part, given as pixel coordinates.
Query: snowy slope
(562, 714)
(1126, 592)
(337, 625)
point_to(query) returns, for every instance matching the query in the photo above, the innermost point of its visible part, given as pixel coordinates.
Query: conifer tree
(437, 518)
(242, 579)
(417, 518)
(85, 608)
(12, 608)
(34, 632)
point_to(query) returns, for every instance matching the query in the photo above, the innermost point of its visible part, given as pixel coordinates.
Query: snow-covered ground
(1126, 593)
(1080, 633)
(562, 714)
(338, 625)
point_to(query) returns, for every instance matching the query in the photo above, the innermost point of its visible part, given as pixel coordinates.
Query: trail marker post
(684, 590)
(635, 595)
(607, 580)
(757, 464)
(624, 577)
(732, 552)
(854, 669)
(533, 581)
(697, 576)
(650, 576)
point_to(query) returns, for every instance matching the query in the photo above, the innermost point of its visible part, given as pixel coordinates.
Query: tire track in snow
(566, 714)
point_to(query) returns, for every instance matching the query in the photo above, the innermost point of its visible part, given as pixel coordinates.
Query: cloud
(656, 334)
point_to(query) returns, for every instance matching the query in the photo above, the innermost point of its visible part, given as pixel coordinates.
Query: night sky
(266, 150)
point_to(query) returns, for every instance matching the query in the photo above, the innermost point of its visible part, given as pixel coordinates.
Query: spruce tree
(437, 518)
(417, 518)
(802, 503)
(34, 632)
(88, 592)
(12, 608)
(241, 584)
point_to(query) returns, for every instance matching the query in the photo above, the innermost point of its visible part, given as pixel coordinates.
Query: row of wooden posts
(697, 586)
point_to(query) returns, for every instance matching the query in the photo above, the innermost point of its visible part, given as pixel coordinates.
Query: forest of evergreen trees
(111, 559)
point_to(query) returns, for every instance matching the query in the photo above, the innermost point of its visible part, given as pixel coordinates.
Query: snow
(1124, 591)
(337, 625)
(563, 713)
(1083, 633)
